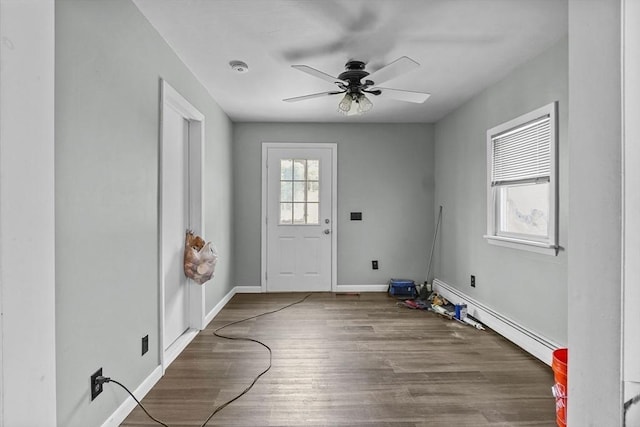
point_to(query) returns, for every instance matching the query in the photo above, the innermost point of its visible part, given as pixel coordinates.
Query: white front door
(299, 217)
(175, 221)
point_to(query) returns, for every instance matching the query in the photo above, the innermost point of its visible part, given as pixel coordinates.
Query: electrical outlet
(473, 281)
(96, 387)
(145, 344)
(374, 265)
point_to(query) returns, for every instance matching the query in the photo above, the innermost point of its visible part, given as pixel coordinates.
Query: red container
(559, 366)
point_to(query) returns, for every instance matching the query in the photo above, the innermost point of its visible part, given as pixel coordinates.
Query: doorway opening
(180, 208)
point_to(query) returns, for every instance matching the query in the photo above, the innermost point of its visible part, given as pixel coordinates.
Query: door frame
(631, 201)
(334, 205)
(170, 98)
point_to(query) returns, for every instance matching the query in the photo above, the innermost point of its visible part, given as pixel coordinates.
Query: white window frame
(545, 245)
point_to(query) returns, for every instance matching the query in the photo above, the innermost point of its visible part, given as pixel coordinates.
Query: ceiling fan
(355, 83)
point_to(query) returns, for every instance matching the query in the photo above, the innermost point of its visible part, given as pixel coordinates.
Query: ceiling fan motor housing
(353, 75)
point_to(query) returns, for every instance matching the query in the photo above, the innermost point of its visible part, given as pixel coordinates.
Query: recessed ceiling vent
(239, 66)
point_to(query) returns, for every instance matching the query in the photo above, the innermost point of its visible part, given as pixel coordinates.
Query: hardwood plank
(345, 360)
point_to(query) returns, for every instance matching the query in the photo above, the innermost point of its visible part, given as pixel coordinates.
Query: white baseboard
(338, 289)
(129, 404)
(361, 288)
(218, 307)
(248, 289)
(174, 350)
(530, 341)
(236, 290)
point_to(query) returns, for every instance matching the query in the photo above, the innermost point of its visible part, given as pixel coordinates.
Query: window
(521, 190)
(299, 191)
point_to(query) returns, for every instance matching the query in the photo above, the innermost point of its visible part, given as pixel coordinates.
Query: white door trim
(171, 98)
(334, 205)
(631, 200)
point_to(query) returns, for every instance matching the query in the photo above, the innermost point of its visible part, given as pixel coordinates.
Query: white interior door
(175, 221)
(299, 218)
(182, 302)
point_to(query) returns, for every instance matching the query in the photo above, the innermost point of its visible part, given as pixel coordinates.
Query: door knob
(327, 231)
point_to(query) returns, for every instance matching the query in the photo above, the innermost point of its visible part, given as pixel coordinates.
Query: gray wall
(595, 261)
(385, 171)
(109, 61)
(527, 287)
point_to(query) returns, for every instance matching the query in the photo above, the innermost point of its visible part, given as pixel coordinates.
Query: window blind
(523, 154)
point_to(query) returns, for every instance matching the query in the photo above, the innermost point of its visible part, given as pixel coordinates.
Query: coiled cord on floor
(102, 379)
(217, 334)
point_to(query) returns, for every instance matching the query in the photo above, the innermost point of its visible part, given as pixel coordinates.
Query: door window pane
(286, 170)
(286, 191)
(299, 169)
(299, 191)
(298, 213)
(313, 170)
(313, 193)
(286, 213)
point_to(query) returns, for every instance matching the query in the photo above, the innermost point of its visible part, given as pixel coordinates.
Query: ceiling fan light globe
(364, 104)
(345, 105)
(353, 112)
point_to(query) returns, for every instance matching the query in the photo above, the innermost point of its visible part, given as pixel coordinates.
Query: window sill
(526, 245)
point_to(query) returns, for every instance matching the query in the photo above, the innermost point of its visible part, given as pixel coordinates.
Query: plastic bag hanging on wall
(199, 258)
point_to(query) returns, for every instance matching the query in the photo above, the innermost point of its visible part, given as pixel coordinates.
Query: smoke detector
(239, 66)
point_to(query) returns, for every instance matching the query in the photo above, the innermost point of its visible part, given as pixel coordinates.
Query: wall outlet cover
(145, 344)
(96, 387)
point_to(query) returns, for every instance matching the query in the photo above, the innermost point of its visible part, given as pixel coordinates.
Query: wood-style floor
(350, 360)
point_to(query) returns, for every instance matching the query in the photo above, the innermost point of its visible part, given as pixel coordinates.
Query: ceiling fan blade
(399, 66)
(319, 74)
(313, 95)
(404, 95)
(296, 54)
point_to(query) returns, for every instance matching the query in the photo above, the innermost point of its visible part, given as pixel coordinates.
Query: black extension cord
(102, 380)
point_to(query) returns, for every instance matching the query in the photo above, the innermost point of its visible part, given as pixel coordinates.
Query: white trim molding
(630, 194)
(236, 290)
(257, 289)
(530, 341)
(248, 289)
(171, 98)
(362, 288)
(541, 248)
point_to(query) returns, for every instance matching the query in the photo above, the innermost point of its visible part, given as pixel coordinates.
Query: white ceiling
(463, 46)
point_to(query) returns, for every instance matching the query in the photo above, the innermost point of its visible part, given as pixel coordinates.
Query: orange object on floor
(559, 366)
